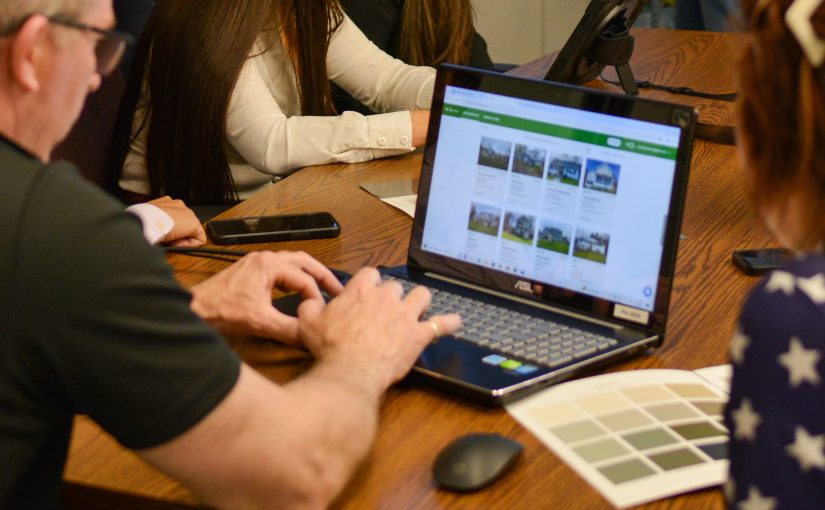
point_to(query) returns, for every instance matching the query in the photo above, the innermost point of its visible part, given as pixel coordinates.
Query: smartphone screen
(273, 228)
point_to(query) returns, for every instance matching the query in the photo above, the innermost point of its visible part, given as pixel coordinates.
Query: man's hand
(365, 339)
(187, 229)
(371, 329)
(238, 300)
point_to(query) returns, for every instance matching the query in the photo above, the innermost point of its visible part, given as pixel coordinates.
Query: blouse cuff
(156, 223)
(390, 131)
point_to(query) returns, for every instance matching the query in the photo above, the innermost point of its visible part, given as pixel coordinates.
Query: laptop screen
(553, 193)
(556, 195)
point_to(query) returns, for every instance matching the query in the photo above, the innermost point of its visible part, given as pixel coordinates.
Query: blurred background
(518, 31)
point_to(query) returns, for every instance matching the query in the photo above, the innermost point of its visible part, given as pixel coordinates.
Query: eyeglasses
(110, 46)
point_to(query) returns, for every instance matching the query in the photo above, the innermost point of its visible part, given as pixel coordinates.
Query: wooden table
(416, 422)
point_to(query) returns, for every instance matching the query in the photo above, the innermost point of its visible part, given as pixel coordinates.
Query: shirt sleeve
(276, 144)
(776, 414)
(156, 223)
(392, 84)
(119, 342)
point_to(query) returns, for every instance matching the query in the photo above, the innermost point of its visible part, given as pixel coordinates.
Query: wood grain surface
(416, 422)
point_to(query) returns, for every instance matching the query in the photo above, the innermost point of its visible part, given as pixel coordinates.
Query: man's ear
(28, 49)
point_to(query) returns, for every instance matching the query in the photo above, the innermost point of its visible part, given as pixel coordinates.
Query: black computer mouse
(475, 461)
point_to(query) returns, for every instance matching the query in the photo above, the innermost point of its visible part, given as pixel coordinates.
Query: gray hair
(14, 12)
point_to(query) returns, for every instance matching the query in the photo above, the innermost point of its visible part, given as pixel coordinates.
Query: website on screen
(556, 195)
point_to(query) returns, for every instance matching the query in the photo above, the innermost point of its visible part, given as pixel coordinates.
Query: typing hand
(372, 329)
(238, 300)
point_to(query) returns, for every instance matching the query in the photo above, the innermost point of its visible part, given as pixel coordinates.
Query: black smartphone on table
(756, 262)
(264, 229)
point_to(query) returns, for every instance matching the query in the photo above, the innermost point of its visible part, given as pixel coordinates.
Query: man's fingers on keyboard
(419, 298)
(446, 324)
(365, 277)
(394, 287)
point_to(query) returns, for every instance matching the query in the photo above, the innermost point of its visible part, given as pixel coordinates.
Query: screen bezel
(557, 94)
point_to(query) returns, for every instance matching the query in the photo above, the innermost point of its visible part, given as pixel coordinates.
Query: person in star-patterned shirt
(776, 412)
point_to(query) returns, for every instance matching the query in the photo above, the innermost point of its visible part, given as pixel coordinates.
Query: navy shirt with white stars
(776, 414)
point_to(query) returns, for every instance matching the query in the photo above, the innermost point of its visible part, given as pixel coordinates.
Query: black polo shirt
(91, 322)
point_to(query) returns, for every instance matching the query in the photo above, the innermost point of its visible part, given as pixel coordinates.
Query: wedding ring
(436, 329)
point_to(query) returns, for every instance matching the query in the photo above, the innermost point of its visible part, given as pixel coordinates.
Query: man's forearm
(267, 446)
(326, 423)
(339, 408)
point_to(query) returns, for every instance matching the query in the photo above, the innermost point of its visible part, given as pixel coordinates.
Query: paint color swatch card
(636, 436)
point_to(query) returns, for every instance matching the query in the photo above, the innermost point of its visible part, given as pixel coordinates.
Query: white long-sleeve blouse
(268, 138)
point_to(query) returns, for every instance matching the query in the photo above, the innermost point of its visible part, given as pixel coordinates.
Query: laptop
(548, 215)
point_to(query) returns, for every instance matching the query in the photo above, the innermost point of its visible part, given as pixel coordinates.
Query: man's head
(47, 67)
(14, 12)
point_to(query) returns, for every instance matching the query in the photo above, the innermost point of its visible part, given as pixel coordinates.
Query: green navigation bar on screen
(555, 130)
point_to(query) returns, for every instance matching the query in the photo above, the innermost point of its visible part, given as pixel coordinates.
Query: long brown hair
(190, 57)
(436, 31)
(782, 117)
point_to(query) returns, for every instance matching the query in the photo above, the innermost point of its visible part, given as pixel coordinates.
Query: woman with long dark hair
(233, 95)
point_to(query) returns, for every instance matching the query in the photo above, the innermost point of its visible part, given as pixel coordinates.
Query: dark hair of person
(782, 117)
(436, 31)
(189, 59)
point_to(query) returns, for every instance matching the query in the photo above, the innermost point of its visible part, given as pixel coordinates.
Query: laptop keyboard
(515, 334)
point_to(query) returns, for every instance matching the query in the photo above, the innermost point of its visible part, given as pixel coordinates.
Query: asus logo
(523, 286)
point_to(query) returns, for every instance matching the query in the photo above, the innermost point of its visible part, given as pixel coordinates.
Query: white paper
(406, 204)
(399, 194)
